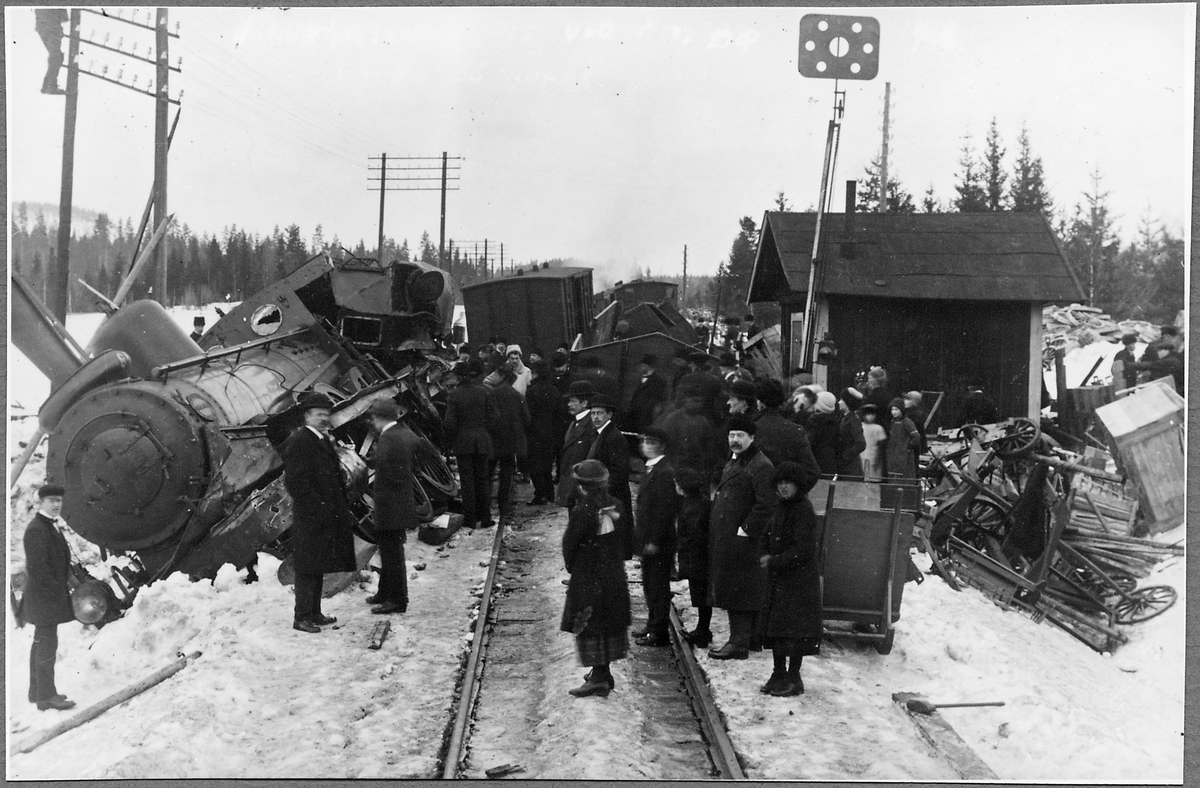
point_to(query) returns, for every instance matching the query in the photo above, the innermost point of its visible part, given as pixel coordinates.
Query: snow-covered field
(265, 701)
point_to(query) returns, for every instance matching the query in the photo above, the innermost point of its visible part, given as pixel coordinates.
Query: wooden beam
(945, 741)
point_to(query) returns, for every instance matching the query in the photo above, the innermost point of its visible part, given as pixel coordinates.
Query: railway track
(513, 714)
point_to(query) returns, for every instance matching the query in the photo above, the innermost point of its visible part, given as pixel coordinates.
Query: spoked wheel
(422, 505)
(983, 518)
(1144, 604)
(432, 469)
(1018, 440)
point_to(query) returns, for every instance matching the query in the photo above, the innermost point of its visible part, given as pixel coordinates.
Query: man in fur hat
(322, 535)
(742, 506)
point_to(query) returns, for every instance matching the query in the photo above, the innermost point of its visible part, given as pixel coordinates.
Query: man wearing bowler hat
(611, 449)
(47, 599)
(395, 507)
(649, 397)
(654, 535)
(576, 442)
(322, 526)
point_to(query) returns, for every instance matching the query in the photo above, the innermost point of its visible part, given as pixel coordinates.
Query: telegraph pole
(162, 69)
(683, 298)
(419, 165)
(883, 170)
(382, 192)
(442, 263)
(60, 277)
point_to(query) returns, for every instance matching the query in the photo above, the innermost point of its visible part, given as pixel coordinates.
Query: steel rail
(474, 667)
(720, 747)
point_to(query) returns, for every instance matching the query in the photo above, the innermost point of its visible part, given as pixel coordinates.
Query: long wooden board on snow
(945, 741)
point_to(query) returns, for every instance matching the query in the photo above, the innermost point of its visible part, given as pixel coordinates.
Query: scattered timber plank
(378, 634)
(945, 741)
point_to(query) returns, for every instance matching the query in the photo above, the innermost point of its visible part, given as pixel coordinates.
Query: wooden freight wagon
(1145, 431)
(543, 308)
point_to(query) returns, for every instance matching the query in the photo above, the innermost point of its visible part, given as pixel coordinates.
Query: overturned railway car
(545, 308)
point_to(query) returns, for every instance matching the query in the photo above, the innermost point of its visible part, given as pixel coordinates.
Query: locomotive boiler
(166, 446)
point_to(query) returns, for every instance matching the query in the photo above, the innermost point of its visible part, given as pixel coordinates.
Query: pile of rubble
(1068, 327)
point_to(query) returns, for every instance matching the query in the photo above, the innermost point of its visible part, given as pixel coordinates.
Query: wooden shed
(543, 308)
(937, 299)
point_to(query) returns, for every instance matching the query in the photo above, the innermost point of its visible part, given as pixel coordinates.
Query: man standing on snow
(741, 510)
(47, 599)
(322, 525)
(395, 509)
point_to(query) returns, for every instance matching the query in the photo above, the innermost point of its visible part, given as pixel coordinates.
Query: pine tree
(429, 252)
(898, 199)
(994, 159)
(1027, 189)
(930, 204)
(1092, 247)
(972, 196)
(781, 203)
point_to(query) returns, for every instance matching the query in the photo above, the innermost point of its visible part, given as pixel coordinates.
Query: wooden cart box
(864, 557)
(1145, 431)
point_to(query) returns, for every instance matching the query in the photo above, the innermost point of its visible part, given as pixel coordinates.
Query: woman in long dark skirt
(692, 523)
(791, 618)
(597, 610)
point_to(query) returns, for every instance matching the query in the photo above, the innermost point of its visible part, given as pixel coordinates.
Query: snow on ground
(266, 701)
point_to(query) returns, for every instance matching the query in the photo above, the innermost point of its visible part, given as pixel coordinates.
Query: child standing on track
(692, 548)
(597, 610)
(791, 617)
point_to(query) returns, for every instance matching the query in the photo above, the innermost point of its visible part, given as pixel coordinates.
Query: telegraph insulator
(135, 79)
(839, 47)
(179, 63)
(104, 69)
(120, 42)
(120, 74)
(133, 49)
(176, 27)
(180, 96)
(105, 41)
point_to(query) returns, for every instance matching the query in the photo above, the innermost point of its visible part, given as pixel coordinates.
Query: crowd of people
(722, 464)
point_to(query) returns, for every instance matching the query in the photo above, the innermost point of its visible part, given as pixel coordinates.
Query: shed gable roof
(962, 256)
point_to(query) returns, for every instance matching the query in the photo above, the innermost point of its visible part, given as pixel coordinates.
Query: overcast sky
(613, 135)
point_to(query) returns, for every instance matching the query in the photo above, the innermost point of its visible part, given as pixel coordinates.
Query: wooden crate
(1145, 431)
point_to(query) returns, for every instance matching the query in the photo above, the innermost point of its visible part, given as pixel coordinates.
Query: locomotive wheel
(1144, 604)
(1019, 440)
(432, 469)
(424, 507)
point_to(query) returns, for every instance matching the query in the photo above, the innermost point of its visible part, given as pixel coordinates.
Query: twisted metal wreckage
(166, 446)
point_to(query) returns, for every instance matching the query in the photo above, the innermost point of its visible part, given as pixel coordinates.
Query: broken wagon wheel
(1144, 604)
(431, 467)
(1018, 440)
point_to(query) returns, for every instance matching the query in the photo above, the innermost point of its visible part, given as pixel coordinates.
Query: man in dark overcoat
(649, 397)
(470, 415)
(610, 448)
(395, 505)
(741, 509)
(699, 379)
(576, 442)
(322, 532)
(780, 439)
(544, 403)
(654, 535)
(693, 441)
(562, 376)
(47, 599)
(977, 408)
(508, 438)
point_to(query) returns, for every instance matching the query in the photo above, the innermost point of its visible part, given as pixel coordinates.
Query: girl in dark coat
(597, 610)
(904, 444)
(692, 529)
(791, 619)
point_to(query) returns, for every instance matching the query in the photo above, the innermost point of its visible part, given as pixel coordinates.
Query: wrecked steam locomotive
(166, 446)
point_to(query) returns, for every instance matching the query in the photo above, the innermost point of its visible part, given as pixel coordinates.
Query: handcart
(865, 536)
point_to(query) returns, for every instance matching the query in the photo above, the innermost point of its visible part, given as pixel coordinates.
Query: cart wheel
(431, 467)
(969, 432)
(1019, 440)
(983, 518)
(885, 646)
(422, 505)
(1144, 604)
